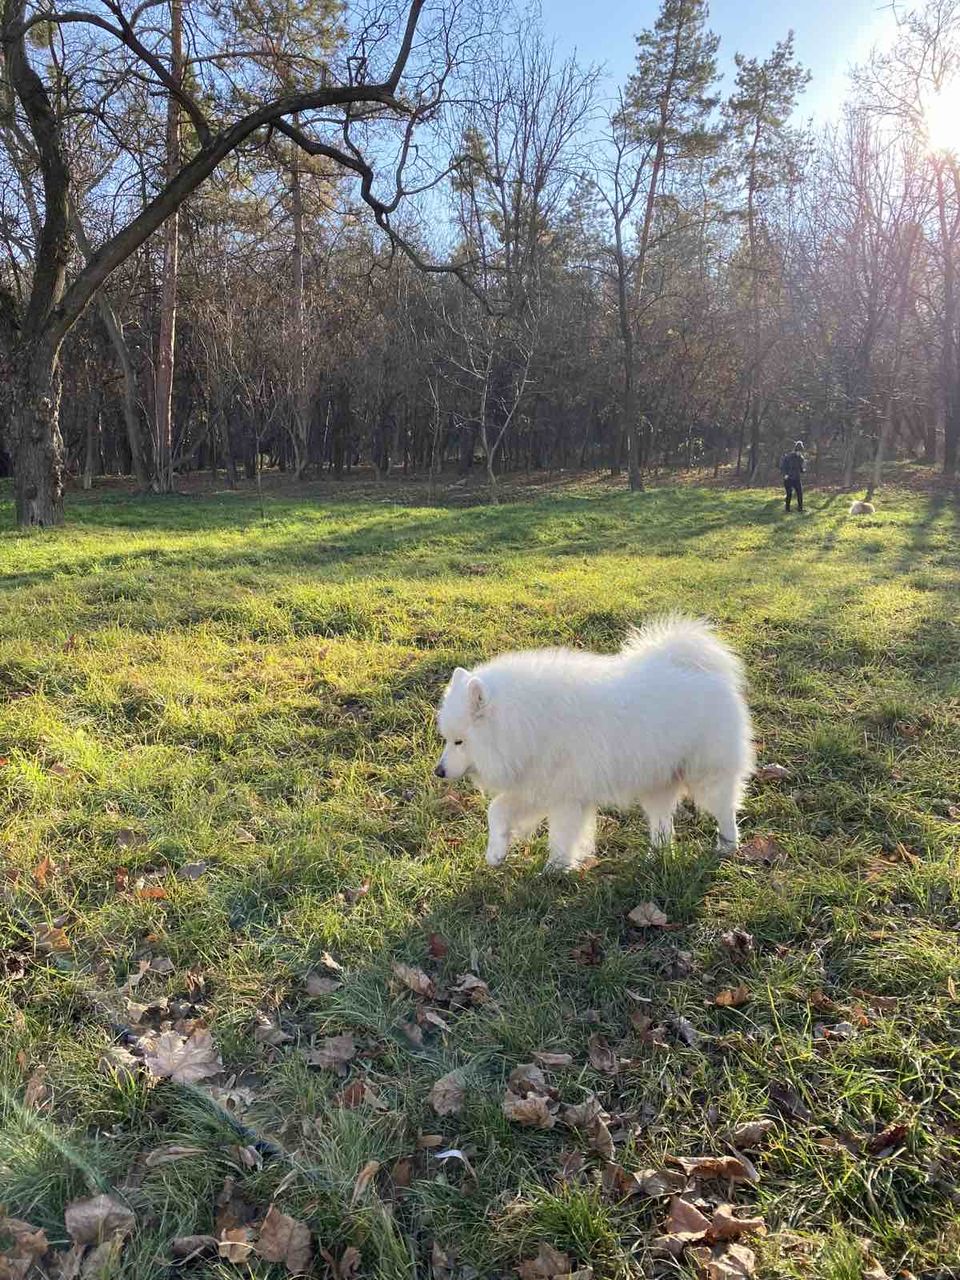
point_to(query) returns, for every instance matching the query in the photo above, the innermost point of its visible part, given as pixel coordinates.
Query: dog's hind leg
(573, 834)
(721, 798)
(509, 817)
(659, 809)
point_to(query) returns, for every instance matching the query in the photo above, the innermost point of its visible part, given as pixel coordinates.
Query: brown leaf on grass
(442, 1262)
(686, 1219)
(725, 1225)
(647, 916)
(186, 1248)
(334, 1053)
(722, 1168)
(593, 1121)
(364, 1178)
(533, 1111)
(602, 1056)
(182, 1060)
(772, 773)
(549, 1060)
(730, 1262)
(748, 1136)
(232, 1210)
(150, 892)
(431, 1019)
(170, 1154)
(285, 1239)
(351, 896)
(448, 1094)
(657, 1183)
(528, 1078)
(549, 1264)
(42, 872)
(102, 1262)
(687, 1033)
(651, 1034)
(738, 942)
(235, 1244)
(349, 1265)
(162, 965)
(414, 979)
(789, 1102)
(318, 984)
(887, 1141)
(410, 1031)
(49, 938)
(97, 1219)
(437, 946)
(23, 1245)
(328, 962)
(589, 951)
(37, 1093)
(192, 870)
(59, 770)
(571, 1166)
(472, 988)
(119, 1063)
(269, 1033)
(732, 997)
(762, 849)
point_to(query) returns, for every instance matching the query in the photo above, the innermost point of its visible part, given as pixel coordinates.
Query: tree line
(409, 236)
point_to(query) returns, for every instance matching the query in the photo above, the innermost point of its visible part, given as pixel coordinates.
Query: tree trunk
(91, 461)
(35, 442)
(171, 267)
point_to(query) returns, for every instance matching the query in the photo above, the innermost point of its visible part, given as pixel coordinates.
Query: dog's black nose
(440, 771)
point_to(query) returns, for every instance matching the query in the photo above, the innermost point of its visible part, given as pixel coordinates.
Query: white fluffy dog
(556, 733)
(861, 508)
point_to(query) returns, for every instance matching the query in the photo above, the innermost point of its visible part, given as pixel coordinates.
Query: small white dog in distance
(861, 508)
(557, 734)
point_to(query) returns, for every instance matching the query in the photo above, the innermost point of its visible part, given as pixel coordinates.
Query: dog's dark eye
(458, 742)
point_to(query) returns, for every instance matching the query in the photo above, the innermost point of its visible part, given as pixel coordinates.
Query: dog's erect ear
(459, 675)
(478, 697)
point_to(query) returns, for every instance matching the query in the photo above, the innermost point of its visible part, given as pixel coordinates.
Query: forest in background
(471, 252)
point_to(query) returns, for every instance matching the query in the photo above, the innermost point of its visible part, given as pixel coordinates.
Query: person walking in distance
(792, 467)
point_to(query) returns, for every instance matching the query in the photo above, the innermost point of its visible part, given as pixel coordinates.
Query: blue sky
(830, 35)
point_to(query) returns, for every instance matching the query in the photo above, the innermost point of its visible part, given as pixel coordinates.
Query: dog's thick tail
(686, 642)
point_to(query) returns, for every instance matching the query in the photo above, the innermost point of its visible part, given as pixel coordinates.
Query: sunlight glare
(942, 118)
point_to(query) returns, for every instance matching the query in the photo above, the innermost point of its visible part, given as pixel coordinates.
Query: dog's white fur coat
(861, 508)
(557, 733)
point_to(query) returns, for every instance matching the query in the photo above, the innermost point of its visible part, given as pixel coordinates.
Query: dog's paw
(495, 855)
(558, 867)
(727, 846)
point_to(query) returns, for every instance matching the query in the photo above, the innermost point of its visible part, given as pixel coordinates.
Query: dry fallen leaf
(749, 1135)
(732, 997)
(162, 965)
(97, 1219)
(738, 941)
(285, 1239)
(549, 1060)
(772, 773)
(730, 1262)
(319, 985)
(171, 1154)
(269, 1033)
(235, 1244)
(37, 1093)
(549, 1264)
(763, 849)
(685, 1218)
(657, 1183)
(474, 989)
(438, 946)
(364, 1178)
(186, 1248)
(447, 1095)
(602, 1056)
(334, 1053)
(24, 1244)
(725, 1225)
(184, 1061)
(719, 1167)
(647, 916)
(789, 1102)
(528, 1078)
(593, 1121)
(50, 938)
(192, 871)
(414, 979)
(119, 1063)
(886, 1142)
(532, 1112)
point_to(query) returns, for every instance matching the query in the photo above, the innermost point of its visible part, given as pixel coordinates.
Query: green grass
(181, 680)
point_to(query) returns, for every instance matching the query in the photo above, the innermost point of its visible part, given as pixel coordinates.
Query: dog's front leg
(500, 818)
(573, 834)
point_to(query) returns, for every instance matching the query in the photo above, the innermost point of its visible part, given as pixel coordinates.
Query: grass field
(187, 685)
